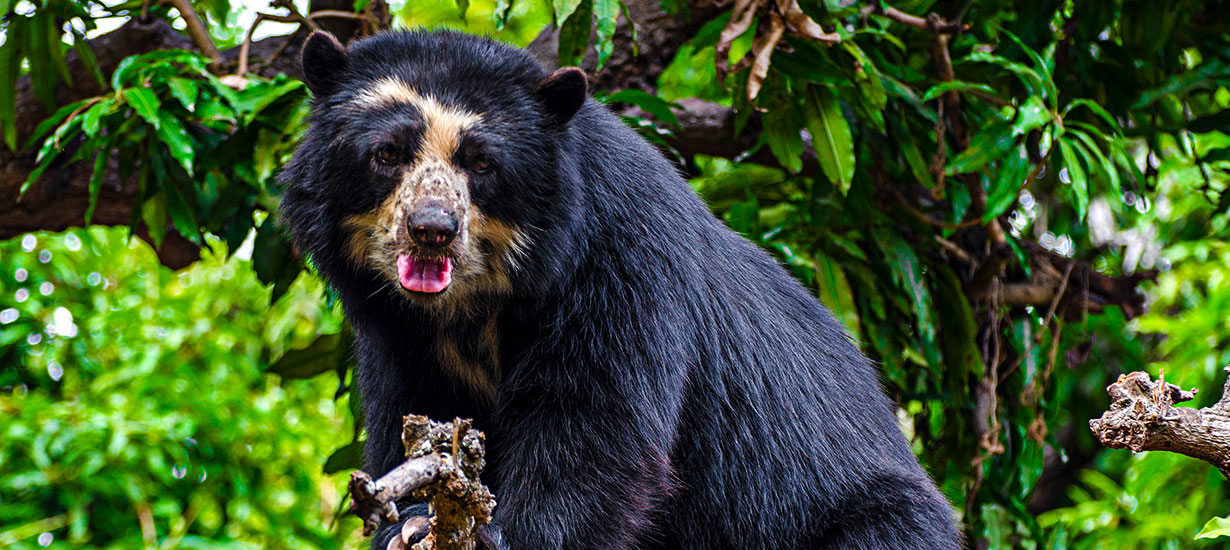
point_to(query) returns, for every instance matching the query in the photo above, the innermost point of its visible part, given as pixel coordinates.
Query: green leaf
(272, 259)
(834, 290)
(958, 331)
(991, 143)
(652, 104)
(349, 457)
(1012, 170)
(55, 48)
(10, 68)
(42, 76)
(255, 100)
(1216, 527)
(1031, 115)
(574, 34)
(91, 119)
(914, 158)
(154, 214)
(1094, 157)
(564, 8)
(623, 8)
(606, 15)
(1203, 76)
(145, 103)
(172, 132)
(320, 357)
(830, 136)
(96, 179)
(169, 129)
(1076, 178)
(54, 121)
(503, 8)
(907, 274)
(1121, 154)
(49, 151)
(185, 90)
(781, 132)
(1040, 65)
(956, 86)
(182, 216)
(462, 7)
(1028, 77)
(1097, 110)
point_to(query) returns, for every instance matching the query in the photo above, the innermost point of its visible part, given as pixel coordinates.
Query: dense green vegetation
(1073, 144)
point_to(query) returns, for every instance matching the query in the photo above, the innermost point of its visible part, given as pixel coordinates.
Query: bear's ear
(562, 94)
(324, 61)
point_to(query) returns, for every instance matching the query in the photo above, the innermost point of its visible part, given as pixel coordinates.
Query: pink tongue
(423, 274)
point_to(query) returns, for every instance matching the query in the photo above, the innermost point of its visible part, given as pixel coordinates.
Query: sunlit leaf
(957, 86)
(564, 8)
(574, 34)
(606, 15)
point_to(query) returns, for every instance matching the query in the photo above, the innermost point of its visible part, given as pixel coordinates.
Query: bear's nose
(432, 227)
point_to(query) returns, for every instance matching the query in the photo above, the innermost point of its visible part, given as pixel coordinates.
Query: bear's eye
(386, 156)
(481, 165)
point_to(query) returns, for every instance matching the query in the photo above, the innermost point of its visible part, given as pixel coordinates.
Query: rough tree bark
(443, 464)
(1142, 417)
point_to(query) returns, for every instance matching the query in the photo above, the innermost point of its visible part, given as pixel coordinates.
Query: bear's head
(432, 160)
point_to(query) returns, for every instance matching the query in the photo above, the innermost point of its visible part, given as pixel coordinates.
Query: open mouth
(428, 275)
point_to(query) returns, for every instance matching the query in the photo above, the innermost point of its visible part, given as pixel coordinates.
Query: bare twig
(376, 501)
(247, 39)
(952, 248)
(197, 30)
(915, 21)
(336, 14)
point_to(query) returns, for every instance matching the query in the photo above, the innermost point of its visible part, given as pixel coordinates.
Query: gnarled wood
(1142, 417)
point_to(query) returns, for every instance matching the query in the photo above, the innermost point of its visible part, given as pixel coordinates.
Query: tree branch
(1066, 287)
(1142, 417)
(198, 30)
(444, 462)
(921, 23)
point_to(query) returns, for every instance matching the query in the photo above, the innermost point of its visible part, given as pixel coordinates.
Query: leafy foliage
(137, 413)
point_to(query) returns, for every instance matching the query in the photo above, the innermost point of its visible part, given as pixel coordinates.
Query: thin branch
(260, 18)
(1063, 287)
(336, 14)
(376, 501)
(197, 30)
(917, 22)
(952, 248)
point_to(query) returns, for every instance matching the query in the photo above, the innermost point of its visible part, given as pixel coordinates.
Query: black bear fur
(663, 383)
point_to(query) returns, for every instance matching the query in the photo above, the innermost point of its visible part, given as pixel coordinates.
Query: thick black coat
(663, 383)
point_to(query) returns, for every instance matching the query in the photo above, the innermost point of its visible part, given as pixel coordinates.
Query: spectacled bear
(508, 250)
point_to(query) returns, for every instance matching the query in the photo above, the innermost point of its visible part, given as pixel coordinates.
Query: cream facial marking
(443, 124)
(473, 374)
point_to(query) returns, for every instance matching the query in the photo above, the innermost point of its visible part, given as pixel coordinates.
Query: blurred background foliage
(149, 402)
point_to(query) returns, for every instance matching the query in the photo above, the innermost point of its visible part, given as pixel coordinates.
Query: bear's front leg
(582, 468)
